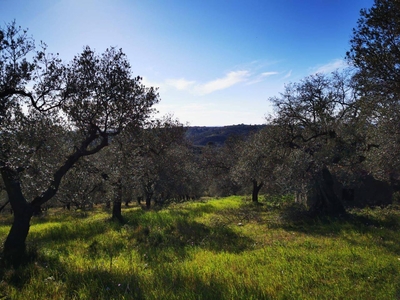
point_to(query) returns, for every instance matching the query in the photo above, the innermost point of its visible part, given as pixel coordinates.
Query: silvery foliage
(52, 113)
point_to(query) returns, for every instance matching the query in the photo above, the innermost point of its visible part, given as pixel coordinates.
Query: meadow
(226, 248)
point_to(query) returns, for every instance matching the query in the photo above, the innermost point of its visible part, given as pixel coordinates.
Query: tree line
(84, 132)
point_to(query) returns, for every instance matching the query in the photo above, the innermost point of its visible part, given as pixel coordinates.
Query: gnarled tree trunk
(326, 201)
(14, 246)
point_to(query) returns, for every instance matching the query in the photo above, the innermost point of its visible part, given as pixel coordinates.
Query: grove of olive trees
(327, 136)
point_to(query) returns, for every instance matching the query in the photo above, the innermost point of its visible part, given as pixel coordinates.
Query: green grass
(217, 249)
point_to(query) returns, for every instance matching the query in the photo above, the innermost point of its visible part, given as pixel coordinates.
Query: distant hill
(204, 135)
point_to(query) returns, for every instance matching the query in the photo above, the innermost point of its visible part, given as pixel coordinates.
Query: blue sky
(216, 62)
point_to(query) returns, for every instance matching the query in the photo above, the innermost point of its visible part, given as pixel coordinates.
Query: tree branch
(68, 164)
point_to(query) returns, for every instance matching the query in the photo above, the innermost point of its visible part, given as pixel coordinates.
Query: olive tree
(375, 50)
(375, 55)
(180, 177)
(217, 163)
(95, 97)
(154, 165)
(84, 185)
(259, 161)
(319, 124)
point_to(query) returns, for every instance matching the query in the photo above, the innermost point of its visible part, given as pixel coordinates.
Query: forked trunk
(14, 246)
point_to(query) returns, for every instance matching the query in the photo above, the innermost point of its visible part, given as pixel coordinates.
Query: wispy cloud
(260, 77)
(180, 84)
(265, 74)
(229, 80)
(330, 67)
(288, 74)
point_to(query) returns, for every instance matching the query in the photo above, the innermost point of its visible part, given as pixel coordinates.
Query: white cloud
(229, 80)
(265, 74)
(180, 84)
(260, 77)
(288, 74)
(330, 67)
(149, 83)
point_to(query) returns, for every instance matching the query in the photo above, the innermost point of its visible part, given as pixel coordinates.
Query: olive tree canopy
(52, 114)
(317, 120)
(375, 54)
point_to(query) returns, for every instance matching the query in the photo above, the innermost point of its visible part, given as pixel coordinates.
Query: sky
(215, 62)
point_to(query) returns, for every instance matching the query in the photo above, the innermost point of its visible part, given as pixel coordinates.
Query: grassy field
(223, 248)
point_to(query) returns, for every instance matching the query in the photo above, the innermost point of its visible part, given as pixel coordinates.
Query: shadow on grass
(100, 284)
(250, 212)
(380, 225)
(70, 284)
(167, 282)
(175, 284)
(177, 239)
(155, 244)
(169, 234)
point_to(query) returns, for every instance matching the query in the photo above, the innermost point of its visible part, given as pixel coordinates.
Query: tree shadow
(101, 284)
(91, 283)
(178, 285)
(250, 212)
(177, 240)
(381, 225)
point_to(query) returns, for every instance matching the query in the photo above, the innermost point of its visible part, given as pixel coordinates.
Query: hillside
(223, 248)
(204, 135)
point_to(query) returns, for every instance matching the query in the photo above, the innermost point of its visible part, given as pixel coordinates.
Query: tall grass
(217, 249)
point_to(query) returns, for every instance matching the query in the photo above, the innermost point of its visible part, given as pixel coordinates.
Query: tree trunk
(14, 246)
(148, 199)
(256, 190)
(326, 201)
(116, 212)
